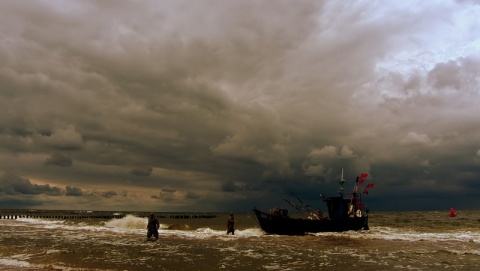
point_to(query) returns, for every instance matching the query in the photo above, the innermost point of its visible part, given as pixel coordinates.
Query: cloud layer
(222, 105)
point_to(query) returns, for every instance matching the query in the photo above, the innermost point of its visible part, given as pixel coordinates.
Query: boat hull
(299, 226)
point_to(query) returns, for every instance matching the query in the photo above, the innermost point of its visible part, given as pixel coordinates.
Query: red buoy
(453, 212)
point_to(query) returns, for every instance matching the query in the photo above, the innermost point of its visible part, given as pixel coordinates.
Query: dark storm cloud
(73, 191)
(228, 187)
(225, 104)
(232, 187)
(11, 184)
(192, 195)
(109, 194)
(58, 159)
(165, 196)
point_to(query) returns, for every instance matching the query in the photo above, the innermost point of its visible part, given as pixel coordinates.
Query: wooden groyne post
(43, 215)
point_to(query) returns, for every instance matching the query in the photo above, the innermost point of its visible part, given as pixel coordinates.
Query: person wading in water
(231, 224)
(152, 227)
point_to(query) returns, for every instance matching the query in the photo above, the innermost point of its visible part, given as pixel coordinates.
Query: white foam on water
(463, 251)
(273, 267)
(14, 262)
(405, 234)
(40, 221)
(201, 233)
(58, 224)
(389, 233)
(126, 224)
(136, 225)
(251, 254)
(52, 251)
(255, 232)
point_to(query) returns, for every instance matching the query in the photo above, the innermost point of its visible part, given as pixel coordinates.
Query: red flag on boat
(365, 191)
(362, 178)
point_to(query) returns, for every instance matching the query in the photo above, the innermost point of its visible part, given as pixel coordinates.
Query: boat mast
(342, 181)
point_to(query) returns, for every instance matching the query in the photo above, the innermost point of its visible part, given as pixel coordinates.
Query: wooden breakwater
(47, 214)
(58, 216)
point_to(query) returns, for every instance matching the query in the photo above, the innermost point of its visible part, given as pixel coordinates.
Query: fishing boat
(345, 212)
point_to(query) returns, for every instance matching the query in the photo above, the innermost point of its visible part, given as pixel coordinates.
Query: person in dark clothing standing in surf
(152, 227)
(231, 224)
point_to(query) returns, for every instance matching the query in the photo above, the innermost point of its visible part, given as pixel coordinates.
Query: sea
(422, 240)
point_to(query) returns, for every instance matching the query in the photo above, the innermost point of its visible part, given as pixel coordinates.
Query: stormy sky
(226, 105)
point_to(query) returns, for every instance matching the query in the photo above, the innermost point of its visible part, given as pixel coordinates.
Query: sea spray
(127, 222)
